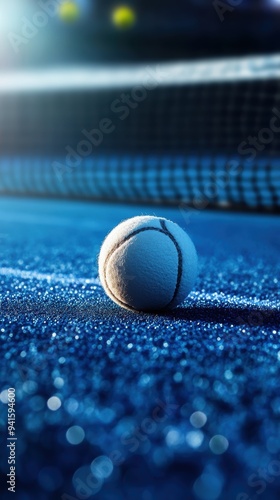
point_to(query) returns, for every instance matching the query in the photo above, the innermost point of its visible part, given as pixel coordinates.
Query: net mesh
(188, 140)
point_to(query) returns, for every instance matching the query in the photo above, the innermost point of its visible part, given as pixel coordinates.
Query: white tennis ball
(147, 264)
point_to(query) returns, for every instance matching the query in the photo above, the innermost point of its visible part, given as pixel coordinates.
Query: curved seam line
(164, 230)
(180, 260)
(116, 247)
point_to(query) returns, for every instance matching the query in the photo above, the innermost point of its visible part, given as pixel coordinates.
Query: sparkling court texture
(180, 405)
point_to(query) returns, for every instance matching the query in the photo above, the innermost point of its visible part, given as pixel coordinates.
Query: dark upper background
(164, 30)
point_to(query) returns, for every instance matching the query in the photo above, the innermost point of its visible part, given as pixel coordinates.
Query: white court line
(29, 275)
(194, 297)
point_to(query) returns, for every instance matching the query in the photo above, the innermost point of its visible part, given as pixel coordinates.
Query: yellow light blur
(69, 11)
(123, 17)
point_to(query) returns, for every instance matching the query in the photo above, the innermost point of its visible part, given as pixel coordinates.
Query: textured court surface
(132, 381)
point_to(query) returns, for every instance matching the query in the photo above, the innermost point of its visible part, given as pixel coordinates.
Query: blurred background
(89, 31)
(69, 69)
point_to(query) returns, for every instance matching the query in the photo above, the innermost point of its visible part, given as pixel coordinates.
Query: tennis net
(200, 133)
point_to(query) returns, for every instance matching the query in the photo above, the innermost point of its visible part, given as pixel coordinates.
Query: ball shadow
(252, 316)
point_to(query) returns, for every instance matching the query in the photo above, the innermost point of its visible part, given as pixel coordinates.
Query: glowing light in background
(198, 419)
(4, 396)
(12, 13)
(123, 17)
(195, 439)
(102, 467)
(218, 444)
(69, 11)
(75, 435)
(54, 403)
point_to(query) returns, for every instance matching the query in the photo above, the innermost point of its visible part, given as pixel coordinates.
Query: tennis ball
(123, 17)
(147, 263)
(69, 11)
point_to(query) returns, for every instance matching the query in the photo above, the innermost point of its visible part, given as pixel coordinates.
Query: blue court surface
(117, 405)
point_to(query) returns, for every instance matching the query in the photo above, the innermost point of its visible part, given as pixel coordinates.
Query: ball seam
(163, 230)
(180, 261)
(113, 250)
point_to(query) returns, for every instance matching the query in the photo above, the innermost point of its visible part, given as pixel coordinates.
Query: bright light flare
(11, 13)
